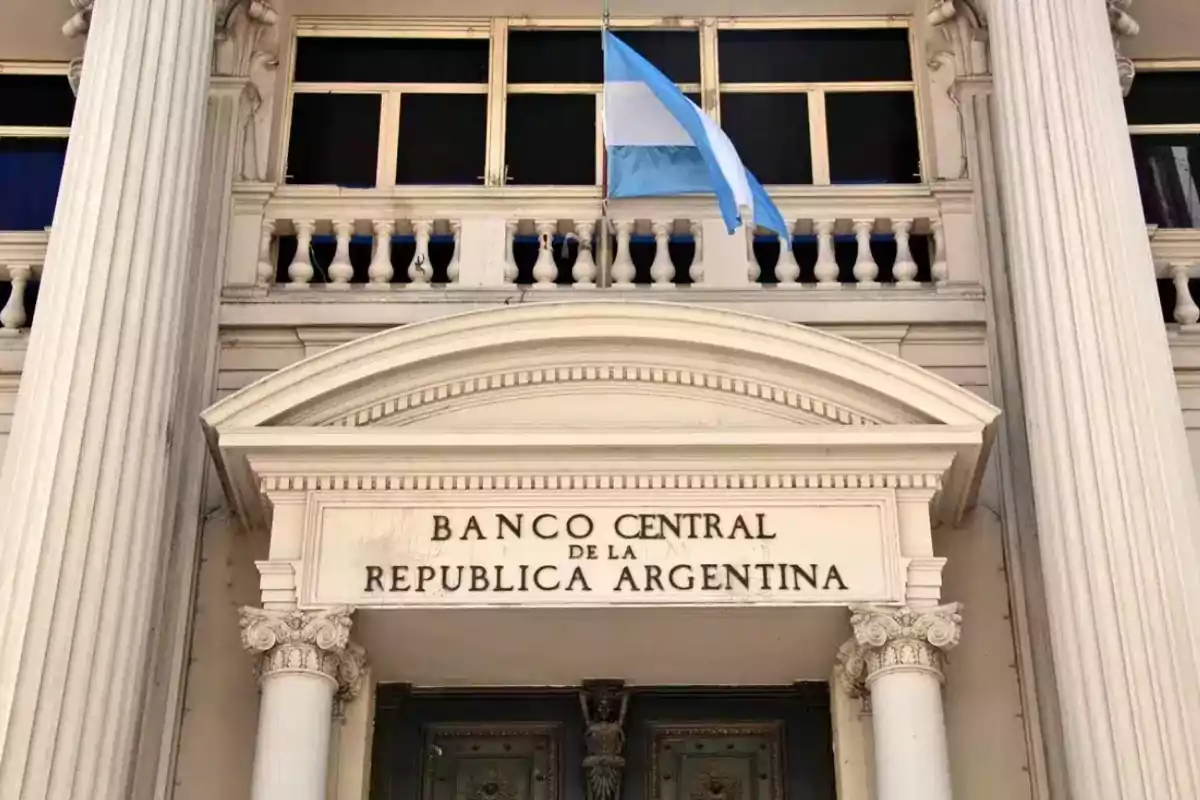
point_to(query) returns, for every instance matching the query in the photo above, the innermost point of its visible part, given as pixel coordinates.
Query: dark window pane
(39, 100)
(30, 170)
(810, 56)
(770, 132)
(577, 56)
(322, 60)
(675, 53)
(1168, 168)
(1164, 98)
(443, 138)
(555, 57)
(334, 139)
(872, 138)
(551, 139)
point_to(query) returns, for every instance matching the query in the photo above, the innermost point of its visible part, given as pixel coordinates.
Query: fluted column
(83, 479)
(1116, 497)
(896, 656)
(306, 665)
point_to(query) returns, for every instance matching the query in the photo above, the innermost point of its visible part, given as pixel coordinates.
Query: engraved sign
(823, 548)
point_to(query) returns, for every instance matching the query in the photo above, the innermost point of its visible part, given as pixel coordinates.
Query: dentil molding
(314, 642)
(889, 639)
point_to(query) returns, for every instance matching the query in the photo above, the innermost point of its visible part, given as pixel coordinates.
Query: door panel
(681, 744)
(485, 761)
(714, 761)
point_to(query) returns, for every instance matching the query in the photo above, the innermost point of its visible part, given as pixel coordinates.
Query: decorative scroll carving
(604, 707)
(1123, 26)
(959, 52)
(306, 641)
(887, 638)
(78, 25)
(246, 45)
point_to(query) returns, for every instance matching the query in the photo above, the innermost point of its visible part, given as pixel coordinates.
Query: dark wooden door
(682, 744)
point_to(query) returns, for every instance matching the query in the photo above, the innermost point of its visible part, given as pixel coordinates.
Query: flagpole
(605, 261)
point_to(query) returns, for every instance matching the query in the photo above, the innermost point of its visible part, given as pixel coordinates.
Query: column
(896, 657)
(1116, 499)
(306, 665)
(82, 537)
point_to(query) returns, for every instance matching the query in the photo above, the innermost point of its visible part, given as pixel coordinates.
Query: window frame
(60, 68)
(1170, 129)
(497, 88)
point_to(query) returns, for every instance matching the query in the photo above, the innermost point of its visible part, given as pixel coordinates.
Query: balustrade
(21, 258)
(1177, 268)
(338, 251)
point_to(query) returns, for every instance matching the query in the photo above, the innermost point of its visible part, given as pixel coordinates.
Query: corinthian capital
(888, 639)
(316, 642)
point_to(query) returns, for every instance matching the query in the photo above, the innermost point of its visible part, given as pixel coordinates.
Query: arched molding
(679, 381)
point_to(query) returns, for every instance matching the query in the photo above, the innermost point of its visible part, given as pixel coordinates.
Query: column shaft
(1117, 504)
(83, 476)
(896, 658)
(911, 761)
(292, 751)
(307, 665)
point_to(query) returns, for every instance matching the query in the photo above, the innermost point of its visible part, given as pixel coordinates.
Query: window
(36, 106)
(1163, 110)
(515, 102)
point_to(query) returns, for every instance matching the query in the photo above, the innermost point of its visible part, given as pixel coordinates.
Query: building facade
(355, 447)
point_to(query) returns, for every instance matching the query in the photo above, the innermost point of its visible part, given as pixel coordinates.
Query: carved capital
(887, 639)
(964, 37)
(316, 642)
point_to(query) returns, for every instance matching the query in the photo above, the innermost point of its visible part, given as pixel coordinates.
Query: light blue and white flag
(661, 143)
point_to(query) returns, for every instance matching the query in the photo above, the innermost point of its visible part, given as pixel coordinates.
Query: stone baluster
(341, 271)
(545, 270)
(264, 272)
(1186, 310)
(381, 271)
(13, 316)
(623, 270)
(584, 271)
(420, 271)
(866, 271)
(696, 270)
(826, 270)
(897, 657)
(753, 268)
(940, 271)
(300, 271)
(307, 667)
(787, 269)
(662, 270)
(510, 258)
(905, 269)
(453, 268)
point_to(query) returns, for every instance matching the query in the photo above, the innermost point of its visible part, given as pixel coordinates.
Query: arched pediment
(598, 370)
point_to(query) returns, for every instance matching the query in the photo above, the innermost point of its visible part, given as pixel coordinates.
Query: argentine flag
(660, 143)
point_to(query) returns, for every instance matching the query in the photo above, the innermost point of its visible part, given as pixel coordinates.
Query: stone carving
(246, 45)
(78, 25)
(604, 706)
(1123, 26)
(887, 638)
(306, 641)
(717, 786)
(959, 52)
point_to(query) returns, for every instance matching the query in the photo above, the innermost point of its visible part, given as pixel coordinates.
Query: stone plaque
(716, 761)
(377, 549)
(499, 761)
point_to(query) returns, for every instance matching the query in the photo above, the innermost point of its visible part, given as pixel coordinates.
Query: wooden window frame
(497, 88)
(1167, 66)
